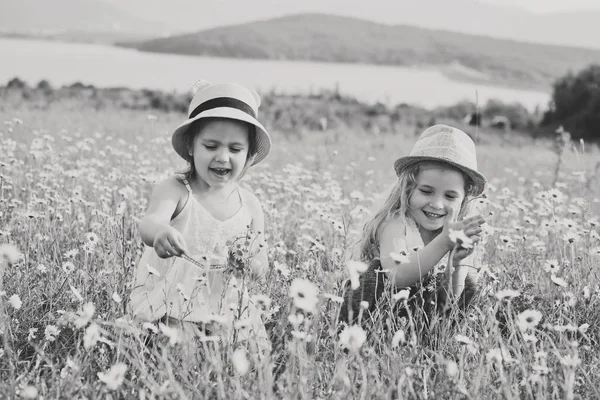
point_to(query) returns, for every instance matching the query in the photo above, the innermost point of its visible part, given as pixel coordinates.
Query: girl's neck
(201, 187)
(427, 235)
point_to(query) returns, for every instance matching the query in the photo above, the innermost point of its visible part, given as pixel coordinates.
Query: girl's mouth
(220, 171)
(433, 216)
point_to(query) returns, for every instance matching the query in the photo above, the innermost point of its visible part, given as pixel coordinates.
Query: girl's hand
(471, 226)
(169, 242)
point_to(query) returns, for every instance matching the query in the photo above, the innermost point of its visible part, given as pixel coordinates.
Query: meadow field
(75, 181)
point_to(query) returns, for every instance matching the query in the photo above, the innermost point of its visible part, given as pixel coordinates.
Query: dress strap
(187, 185)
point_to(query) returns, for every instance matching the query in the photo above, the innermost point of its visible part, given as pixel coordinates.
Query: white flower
(558, 281)
(355, 269)
(261, 301)
(152, 271)
(42, 268)
(68, 267)
(171, 333)
(114, 377)
(116, 298)
(296, 319)
(282, 269)
(551, 266)
(583, 328)
(10, 253)
(528, 319)
(451, 369)
(240, 361)
(460, 237)
(76, 293)
(399, 338)
(29, 392)
(507, 294)
(15, 301)
(401, 295)
(85, 315)
(91, 337)
(463, 339)
(304, 294)
(352, 338)
(334, 298)
(51, 332)
(400, 257)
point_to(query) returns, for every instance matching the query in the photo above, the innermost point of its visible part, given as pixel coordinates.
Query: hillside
(319, 37)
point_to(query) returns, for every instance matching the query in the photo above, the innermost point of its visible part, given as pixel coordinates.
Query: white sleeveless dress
(182, 291)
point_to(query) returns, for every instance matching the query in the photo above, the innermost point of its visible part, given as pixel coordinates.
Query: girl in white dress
(203, 232)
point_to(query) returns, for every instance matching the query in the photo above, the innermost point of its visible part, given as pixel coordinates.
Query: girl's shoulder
(251, 200)
(172, 184)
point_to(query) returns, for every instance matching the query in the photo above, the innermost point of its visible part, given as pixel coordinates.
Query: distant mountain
(319, 37)
(580, 29)
(51, 17)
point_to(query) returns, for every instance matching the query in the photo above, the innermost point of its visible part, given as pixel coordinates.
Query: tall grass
(74, 184)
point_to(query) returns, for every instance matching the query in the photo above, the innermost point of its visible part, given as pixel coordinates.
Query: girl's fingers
(174, 248)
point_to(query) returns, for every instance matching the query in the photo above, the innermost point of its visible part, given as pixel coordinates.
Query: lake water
(107, 66)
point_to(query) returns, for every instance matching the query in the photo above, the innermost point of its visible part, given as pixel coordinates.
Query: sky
(545, 6)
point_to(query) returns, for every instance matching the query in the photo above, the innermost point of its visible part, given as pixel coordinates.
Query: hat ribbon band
(219, 102)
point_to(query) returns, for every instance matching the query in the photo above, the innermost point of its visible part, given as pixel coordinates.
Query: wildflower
(334, 298)
(51, 332)
(29, 392)
(15, 301)
(401, 295)
(114, 377)
(76, 293)
(68, 267)
(71, 254)
(116, 298)
(558, 281)
(505, 239)
(240, 361)
(304, 294)
(459, 237)
(85, 315)
(171, 333)
(556, 195)
(463, 339)
(507, 294)
(42, 268)
(401, 258)
(91, 337)
(10, 253)
(282, 269)
(355, 269)
(586, 293)
(451, 369)
(551, 266)
(149, 326)
(152, 271)
(399, 338)
(583, 328)
(352, 338)
(528, 338)
(296, 319)
(528, 319)
(32, 333)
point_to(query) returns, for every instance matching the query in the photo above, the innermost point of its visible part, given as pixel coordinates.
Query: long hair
(396, 206)
(194, 130)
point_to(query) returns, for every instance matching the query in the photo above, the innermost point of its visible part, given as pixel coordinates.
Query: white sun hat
(447, 144)
(223, 100)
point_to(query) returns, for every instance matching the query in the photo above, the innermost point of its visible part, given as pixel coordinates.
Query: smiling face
(220, 151)
(438, 188)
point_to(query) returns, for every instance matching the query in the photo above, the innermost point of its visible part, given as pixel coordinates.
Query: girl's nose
(222, 156)
(437, 203)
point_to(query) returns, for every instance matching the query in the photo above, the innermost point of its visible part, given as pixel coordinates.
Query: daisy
(304, 294)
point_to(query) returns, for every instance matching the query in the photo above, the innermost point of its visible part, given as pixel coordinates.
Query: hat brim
(263, 140)
(479, 181)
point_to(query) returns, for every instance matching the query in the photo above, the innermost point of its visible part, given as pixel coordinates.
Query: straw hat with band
(447, 144)
(223, 100)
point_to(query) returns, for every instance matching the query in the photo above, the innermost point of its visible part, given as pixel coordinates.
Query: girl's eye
(451, 197)
(210, 147)
(235, 150)
(425, 191)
